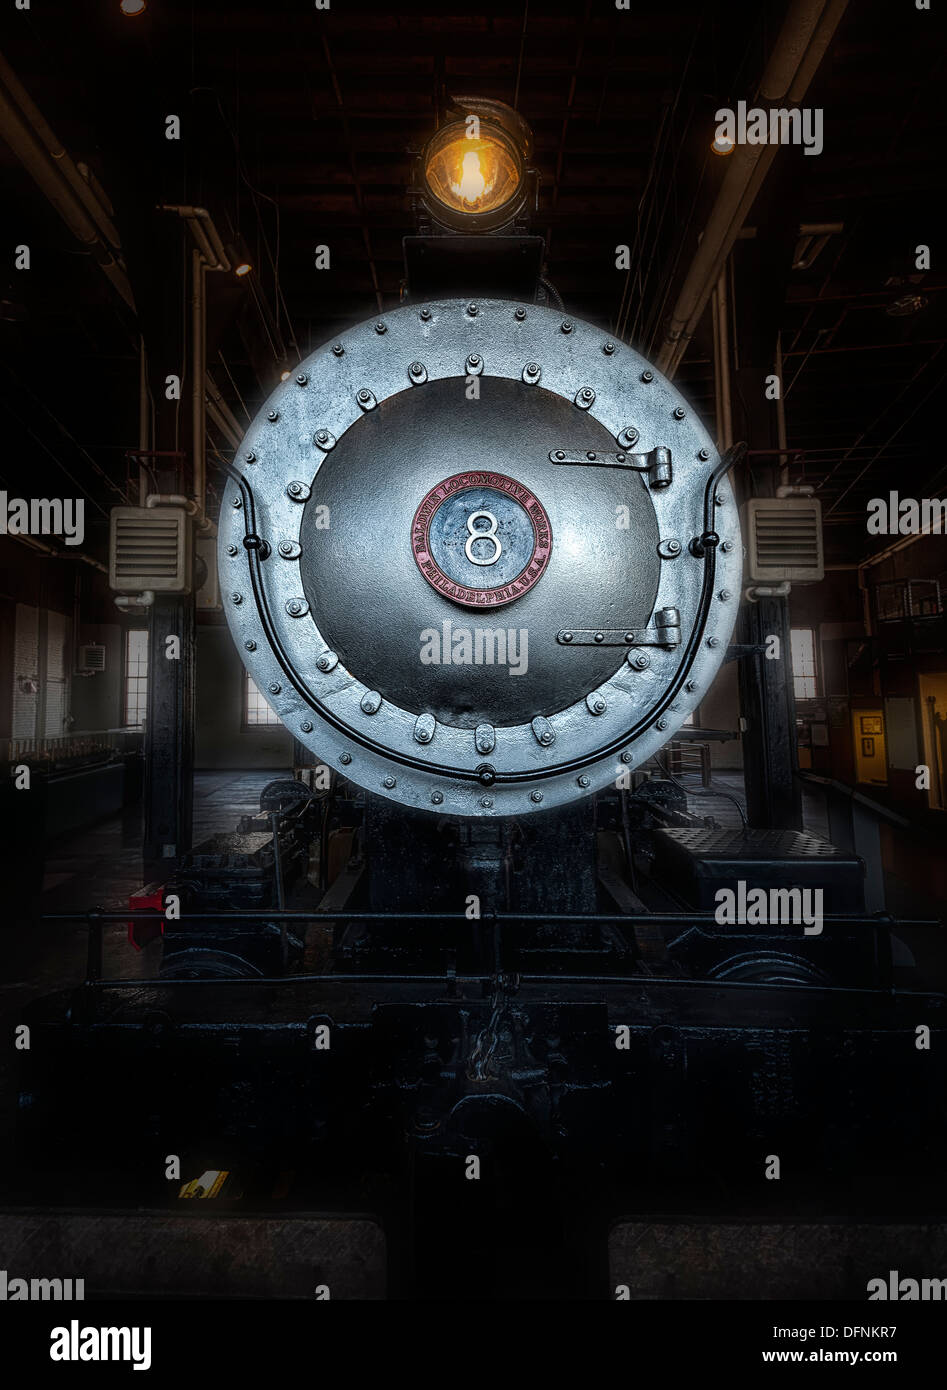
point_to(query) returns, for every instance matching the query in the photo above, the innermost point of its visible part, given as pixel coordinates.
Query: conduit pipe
(802, 43)
(51, 550)
(47, 162)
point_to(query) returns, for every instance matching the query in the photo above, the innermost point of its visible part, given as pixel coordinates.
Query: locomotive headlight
(476, 180)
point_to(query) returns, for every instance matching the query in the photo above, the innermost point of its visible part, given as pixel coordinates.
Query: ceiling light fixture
(133, 8)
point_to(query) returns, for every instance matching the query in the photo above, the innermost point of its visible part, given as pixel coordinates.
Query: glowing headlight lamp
(473, 171)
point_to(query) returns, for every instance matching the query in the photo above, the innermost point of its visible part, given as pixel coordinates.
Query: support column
(169, 736)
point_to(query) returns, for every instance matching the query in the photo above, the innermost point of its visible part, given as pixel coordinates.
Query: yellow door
(868, 732)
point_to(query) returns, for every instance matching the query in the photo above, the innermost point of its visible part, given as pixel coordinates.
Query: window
(136, 676)
(255, 709)
(803, 663)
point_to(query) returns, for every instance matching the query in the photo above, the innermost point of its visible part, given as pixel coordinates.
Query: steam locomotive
(483, 561)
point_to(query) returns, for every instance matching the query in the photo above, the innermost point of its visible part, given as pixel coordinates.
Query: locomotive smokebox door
(448, 517)
(464, 564)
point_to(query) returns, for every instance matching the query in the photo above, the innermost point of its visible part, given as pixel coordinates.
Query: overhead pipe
(721, 299)
(208, 254)
(204, 232)
(221, 414)
(802, 43)
(53, 176)
(198, 369)
(177, 499)
(83, 188)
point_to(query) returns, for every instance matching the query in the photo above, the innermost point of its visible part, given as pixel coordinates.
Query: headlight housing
(472, 172)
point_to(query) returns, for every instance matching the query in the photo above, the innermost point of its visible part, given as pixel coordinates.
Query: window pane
(136, 676)
(258, 711)
(803, 663)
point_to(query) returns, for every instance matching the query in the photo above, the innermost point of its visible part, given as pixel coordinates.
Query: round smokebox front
(463, 558)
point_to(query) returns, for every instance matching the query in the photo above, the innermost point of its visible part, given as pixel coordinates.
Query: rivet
(608, 349)
(345, 759)
(629, 637)
(703, 454)
(306, 726)
(679, 412)
(424, 315)
(584, 781)
(567, 637)
(546, 738)
(381, 327)
(599, 637)
(390, 782)
(231, 550)
(250, 457)
(338, 349)
(591, 456)
(727, 547)
(237, 598)
(437, 798)
(647, 377)
(272, 416)
(250, 646)
(301, 379)
(560, 454)
(567, 325)
(473, 310)
(275, 687)
(662, 723)
(724, 595)
(486, 802)
(619, 458)
(519, 314)
(536, 797)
